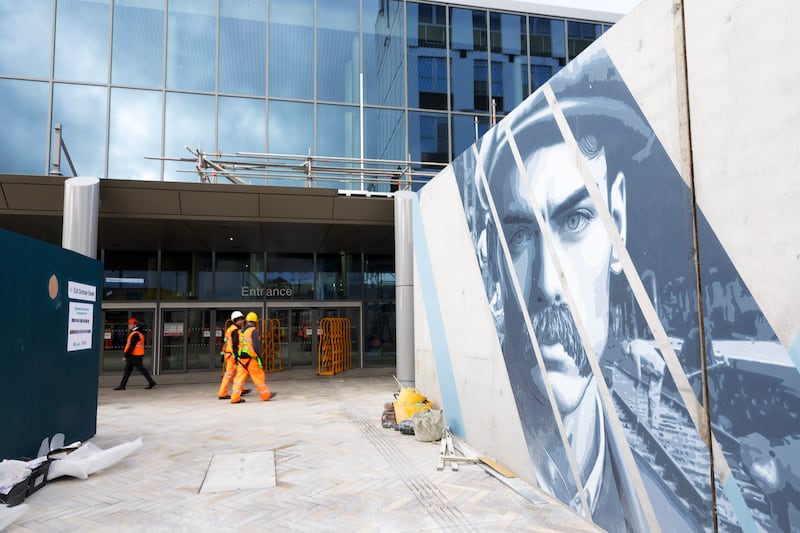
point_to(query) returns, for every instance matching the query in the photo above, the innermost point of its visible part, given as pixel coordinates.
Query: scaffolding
(349, 175)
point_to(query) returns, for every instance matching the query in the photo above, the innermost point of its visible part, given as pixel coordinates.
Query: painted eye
(519, 241)
(575, 224)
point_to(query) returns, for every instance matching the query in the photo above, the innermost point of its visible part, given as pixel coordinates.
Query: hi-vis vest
(246, 348)
(138, 348)
(229, 333)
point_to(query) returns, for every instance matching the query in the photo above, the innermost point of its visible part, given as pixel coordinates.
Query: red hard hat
(133, 321)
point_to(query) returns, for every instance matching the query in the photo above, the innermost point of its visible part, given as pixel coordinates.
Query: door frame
(156, 327)
(325, 304)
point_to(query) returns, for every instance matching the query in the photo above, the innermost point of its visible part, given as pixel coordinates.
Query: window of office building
(338, 276)
(186, 276)
(80, 109)
(239, 276)
(428, 137)
(242, 126)
(243, 47)
(548, 49)
(291, 49)
(290, 276)
(508, 41)
(580, 35)
(291, 132)
(427, 63)
(383, 52)
(192, 45)
(134, 134)
(379, 277)
(384, 138)
(24, 135)
(338, 135)
(130, 276)
(82, 40)
(137, 54)
(432, 82)
(189, 122)
(338, 63)
(26, 43)
(469, 40)
(466, 131)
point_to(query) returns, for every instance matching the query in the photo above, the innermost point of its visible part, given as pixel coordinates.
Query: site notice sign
(81, 315)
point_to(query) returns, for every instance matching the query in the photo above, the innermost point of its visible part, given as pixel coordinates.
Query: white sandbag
(428, 425)
(89, 459)
(9, 514)
(11, 473)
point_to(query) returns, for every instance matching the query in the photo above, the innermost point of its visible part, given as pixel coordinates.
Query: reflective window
(379, 277)
(508, 39)
(25, 46)
(384, 138)
(239, 276)
(580, 35)
(134, 133)
(242, 47)
(130, 275)
(81, 111)
(469, 58)
(185, 275)
(242, 125)
(338, 276)
(23, 137)
(82, 40)
(383, 52)
(291, 48)
(291, 273)
(189, 122)
(191, 44)
(467, 129)
(338, 63)
(291, 131)
(379, 334)
(548, 49)
(138, 43)
(427, 63)
(428, 137)
(338, 135)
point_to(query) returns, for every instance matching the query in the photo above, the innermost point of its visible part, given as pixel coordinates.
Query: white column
(81, 212)
(404, 286)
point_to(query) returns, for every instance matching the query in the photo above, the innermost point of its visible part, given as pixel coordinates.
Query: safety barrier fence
(334, 352)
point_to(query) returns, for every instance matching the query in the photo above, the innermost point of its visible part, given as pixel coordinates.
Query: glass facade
(134, 81)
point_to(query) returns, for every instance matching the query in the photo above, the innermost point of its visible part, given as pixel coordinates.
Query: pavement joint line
(426, 493)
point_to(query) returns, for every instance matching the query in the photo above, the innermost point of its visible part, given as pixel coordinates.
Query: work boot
(246, 391)
(151, 385)
(272, 395)
(241, 400)
(226, 397)
(120, 387)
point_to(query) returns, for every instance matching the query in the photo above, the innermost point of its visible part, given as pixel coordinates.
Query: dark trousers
(131, 362)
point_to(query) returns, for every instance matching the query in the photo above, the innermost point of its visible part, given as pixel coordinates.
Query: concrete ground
(313, 459)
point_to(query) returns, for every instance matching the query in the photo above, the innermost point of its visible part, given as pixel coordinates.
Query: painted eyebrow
(569, 203)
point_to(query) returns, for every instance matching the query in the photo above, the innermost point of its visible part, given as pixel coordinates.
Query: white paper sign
(79, 329)
(81, 291)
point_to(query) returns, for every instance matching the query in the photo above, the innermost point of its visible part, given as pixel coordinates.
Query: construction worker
(249, 361)
(134, 355)
(230, 347)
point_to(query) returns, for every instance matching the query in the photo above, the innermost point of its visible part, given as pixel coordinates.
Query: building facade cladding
(135, 82)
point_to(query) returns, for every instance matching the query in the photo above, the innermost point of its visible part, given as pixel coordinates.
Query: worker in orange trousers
(249, 362)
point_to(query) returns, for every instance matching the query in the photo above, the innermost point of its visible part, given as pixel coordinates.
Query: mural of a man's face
(585, 254)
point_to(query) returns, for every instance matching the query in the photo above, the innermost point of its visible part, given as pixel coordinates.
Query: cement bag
(428, 424)
(9, 514)
(89, 459)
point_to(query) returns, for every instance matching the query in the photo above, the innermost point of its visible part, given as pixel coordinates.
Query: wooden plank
(496, 466)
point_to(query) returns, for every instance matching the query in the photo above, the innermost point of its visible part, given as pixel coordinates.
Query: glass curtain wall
(281, 76)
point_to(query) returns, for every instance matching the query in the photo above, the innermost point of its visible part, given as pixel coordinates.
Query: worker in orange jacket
(134, 355)
(230, 348)
(249, 362)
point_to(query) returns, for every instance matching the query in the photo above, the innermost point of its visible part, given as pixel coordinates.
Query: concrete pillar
(404, 285)
(81, 212)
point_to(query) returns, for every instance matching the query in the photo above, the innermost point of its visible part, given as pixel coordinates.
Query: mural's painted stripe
(696, 411)
(521, 302)
(441, 352)
(794, 351)
(736, 500)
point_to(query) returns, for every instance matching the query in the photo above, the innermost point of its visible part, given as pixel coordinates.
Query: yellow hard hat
(251, 317)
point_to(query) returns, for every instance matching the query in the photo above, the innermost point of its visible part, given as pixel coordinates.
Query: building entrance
(301, 334)
(191, 339)
(115, 336)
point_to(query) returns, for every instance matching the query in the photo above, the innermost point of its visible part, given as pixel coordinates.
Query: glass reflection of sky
(81, 112)
(191, 45)
(25, 46)
(242, 47)
(82, 41)
(189, 122)
(23, 137)
(134, 133)
(138, 47)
